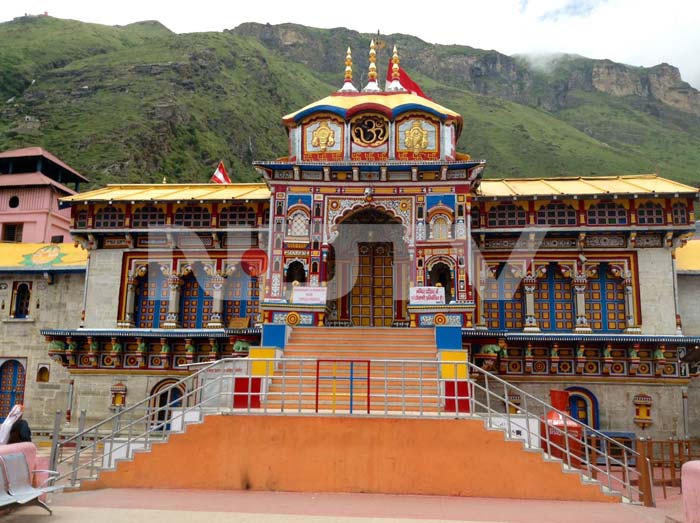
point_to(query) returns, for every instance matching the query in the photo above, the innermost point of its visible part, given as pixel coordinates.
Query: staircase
(349, 369)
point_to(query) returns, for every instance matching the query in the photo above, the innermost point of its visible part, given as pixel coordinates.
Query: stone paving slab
(209, 506)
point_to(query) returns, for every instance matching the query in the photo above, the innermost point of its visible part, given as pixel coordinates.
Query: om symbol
(370, 131)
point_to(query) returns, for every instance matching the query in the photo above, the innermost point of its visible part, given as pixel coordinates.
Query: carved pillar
(529, 286)
(217, 294)
(128, 320)
(629, 305)
(172, 319)
(579, 283)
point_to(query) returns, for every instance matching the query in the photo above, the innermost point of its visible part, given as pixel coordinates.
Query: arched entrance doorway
(165, 397)
(368, 270)
(12, 378)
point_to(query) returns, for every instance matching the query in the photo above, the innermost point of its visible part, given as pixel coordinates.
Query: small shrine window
(193, 216)
(650, 213)
(556, 213)
(507, 215)
(81, 219)
(20, 299)
(237, 215)
(298, 225)
(149, 216)
(109, 217)
(680, 214)
(440, 227)
(607, 213)
(475, 217)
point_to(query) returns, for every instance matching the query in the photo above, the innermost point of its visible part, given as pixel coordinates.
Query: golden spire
(372, 85)
(395, 84)
(395, 75)
(372, 59)
(347, 84)
(348, 65)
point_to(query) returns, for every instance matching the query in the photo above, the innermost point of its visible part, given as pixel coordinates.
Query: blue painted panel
(448, 337)
(274, 335)
(446, 199)
(295, 199)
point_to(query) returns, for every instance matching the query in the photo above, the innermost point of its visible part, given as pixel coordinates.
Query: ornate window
(503, 300)
(109, 217)
(440, 227)
(196, 301)
(298, 225)
(237, 215)
(21, 294)
(149, 216)
(152, 297)
(476, 218)
(554, 301)
(650, 213)
(607, 213)
(507, 215)
(680, 214)
(241, 297)
(81, 219)
(605, 301)
(556, 213)
(193, 216)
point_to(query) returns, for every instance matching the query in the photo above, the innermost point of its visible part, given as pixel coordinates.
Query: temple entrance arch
(368, 270)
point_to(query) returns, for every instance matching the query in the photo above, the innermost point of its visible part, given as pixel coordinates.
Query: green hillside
(139, 103)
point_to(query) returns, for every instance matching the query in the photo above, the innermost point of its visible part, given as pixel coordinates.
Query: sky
(635, 32)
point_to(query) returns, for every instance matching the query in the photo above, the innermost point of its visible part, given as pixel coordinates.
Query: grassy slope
(137, 103)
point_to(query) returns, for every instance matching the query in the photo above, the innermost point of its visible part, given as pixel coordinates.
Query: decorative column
(128, 320)
(529, 285)
(217, 293)
(172, 318)
(632, 328)
(579, 282)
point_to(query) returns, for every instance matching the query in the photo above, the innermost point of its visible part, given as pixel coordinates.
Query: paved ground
(209, 506)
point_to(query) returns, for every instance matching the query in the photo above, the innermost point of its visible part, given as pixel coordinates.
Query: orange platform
(349, 454)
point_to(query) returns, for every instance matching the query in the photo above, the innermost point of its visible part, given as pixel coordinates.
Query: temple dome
(390, 104)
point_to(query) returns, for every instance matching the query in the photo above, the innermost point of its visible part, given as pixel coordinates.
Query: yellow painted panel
(688, 257)
(448, 370)
(45, 256)
(262, 368)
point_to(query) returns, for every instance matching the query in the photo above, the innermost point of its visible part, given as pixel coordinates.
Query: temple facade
(374, 220)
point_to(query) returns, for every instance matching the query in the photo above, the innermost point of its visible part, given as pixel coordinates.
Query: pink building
(31, 182)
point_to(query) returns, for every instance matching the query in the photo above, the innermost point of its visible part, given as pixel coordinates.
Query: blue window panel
(152, 297)
(554, 302)
(605, 302)
(503, 302)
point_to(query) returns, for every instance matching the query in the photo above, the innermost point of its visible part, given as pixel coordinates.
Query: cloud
(574, 8)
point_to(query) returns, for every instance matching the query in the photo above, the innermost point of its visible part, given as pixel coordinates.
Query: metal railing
(388, 387)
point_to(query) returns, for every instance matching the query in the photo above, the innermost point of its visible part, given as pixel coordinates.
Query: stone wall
(616, 406)
(92, 392)
(689, 303)
(103, 287)
(656, 291)
(53, 305)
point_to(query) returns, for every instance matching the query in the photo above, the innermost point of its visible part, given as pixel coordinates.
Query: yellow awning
(41, 256)
(583, 186)
(174, 192)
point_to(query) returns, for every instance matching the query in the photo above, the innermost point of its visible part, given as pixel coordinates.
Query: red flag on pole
(405, 81)
(220, 175)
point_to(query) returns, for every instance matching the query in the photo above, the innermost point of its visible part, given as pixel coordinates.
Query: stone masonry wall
(104, 282)
(53, 305)
(689, 303)
(656, 291)
(616, 406)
